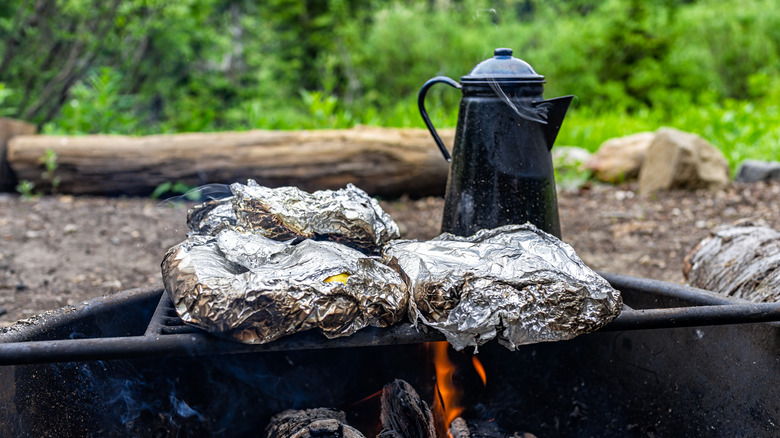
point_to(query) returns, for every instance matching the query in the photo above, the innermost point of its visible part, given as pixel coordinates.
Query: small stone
(112, 284)
(753, 171)
(622, 195)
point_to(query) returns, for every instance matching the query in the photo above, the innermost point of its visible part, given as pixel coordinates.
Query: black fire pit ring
(123, 365)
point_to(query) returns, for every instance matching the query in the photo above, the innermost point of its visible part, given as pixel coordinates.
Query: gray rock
(681, 160)
(570, 156)
(754, 171)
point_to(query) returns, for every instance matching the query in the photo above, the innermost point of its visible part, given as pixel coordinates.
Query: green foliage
(4, 94)
(177, 189)
(150, 66)
(96, 106)
(570, 172)
(49, 162)
(26, 188)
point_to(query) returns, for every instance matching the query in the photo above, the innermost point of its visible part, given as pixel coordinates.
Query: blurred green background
(160, 66)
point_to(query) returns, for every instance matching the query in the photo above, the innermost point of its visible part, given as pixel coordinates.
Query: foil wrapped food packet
(254, 289)
(515, 283)
(347, 215)
(265, 263)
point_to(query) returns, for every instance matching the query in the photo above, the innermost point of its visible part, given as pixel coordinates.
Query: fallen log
(741, 260)
(381, 161)
(9, 129)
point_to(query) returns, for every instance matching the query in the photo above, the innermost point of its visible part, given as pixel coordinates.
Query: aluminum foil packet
(348, 215)
(515, 283)
(254, 289)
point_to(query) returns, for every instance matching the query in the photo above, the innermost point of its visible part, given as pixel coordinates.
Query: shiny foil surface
(347, 215)
(514, 283)
(254, 289)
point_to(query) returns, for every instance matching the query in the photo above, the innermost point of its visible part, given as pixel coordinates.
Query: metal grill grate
(165, 320)
(167, 335)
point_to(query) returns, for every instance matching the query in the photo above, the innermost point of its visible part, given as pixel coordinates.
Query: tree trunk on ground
(381, 161)
(10, 128)
(742, 261)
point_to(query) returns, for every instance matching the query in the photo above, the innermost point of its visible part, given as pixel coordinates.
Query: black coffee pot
(502, 170)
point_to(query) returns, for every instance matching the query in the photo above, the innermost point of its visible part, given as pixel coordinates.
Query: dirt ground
(61, 250)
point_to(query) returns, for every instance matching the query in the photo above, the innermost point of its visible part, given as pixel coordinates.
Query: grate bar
(167, 335)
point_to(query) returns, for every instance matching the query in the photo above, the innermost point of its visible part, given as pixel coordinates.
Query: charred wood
(459, 428)
(311, 423)
(404, 414)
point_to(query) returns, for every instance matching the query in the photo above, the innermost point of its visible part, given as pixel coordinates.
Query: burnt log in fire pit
(125, 365)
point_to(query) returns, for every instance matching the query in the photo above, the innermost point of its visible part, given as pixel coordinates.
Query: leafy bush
(705, 66)
(96, 106)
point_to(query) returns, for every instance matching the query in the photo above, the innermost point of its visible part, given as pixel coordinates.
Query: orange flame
(449, 398)
(480, 369)
(449, 395)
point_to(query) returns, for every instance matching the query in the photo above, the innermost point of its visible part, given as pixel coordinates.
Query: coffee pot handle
(421, 104)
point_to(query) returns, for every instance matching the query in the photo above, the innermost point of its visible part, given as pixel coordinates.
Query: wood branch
(10, 128)
(311, 423)
(404, 414)
(383, 162)
(741, 260)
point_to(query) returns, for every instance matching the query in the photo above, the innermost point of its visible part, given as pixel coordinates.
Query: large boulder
(619, 159)
(681, 160)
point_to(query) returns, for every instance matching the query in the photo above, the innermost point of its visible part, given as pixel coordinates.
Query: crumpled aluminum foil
(348, 215)
(515, 283)
(255, 289)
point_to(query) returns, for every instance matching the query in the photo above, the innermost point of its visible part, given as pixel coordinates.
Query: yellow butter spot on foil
(342, 278)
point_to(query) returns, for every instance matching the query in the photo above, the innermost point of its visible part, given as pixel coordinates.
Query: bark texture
(9, 129)
(741, 260)
(381, 161)
(404, 414)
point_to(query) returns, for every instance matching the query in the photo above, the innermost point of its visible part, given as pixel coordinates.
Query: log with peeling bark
(404, 414)
(382, 161)
(311, 423)
(740, 260)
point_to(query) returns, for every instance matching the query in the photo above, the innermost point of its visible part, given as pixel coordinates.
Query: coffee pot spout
(556, 110)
